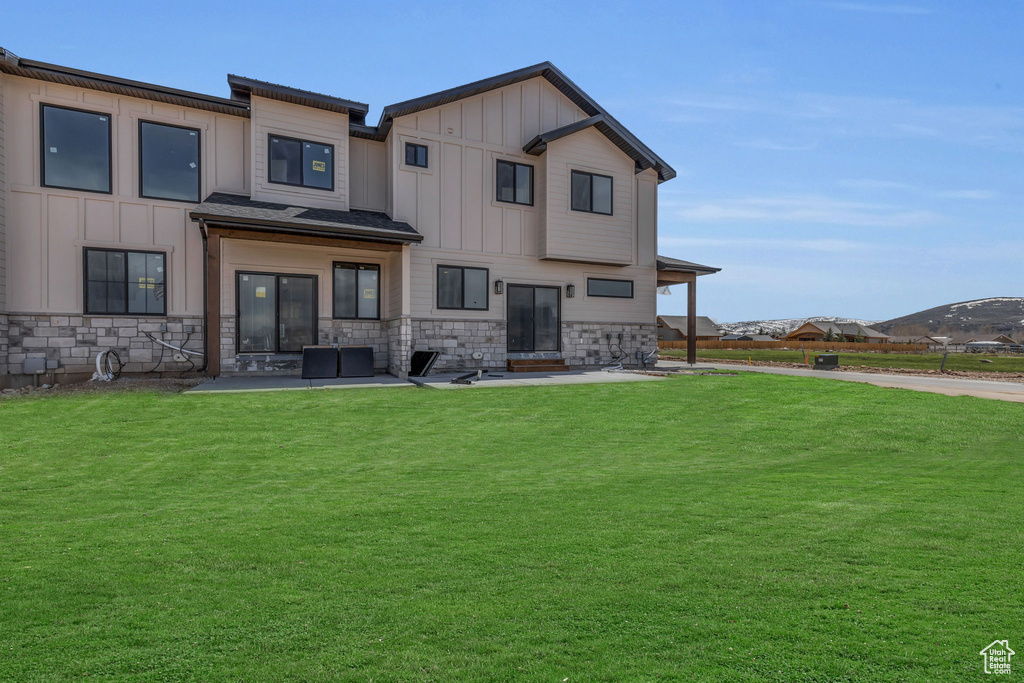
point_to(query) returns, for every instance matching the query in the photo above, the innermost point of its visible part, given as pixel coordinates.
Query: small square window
(515, 183)
(592, 193)
(300, 162)
(415, 155)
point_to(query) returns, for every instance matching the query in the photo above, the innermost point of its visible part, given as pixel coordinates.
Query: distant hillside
(784, 326)
(999, 314)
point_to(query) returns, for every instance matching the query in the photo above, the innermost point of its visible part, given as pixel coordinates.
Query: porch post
(691, 321)
(213, 304)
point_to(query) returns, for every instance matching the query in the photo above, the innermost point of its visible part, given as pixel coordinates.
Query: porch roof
(675, 265)
(233, 210)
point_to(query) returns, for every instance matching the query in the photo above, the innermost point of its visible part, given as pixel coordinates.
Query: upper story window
(463, 288)
(125, 282)
(357, 291)
(591, 193)
(515, 182)
(76, 149)
(619, 289)
(169, 162)
(301, 162)
(415, 155)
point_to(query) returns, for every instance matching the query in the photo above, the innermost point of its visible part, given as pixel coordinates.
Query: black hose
(108, 366)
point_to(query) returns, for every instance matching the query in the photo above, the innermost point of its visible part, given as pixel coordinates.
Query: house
(748, 337)
(818, 331)
(508, 216)
(915, 339)
(673, 328)
(969, 337)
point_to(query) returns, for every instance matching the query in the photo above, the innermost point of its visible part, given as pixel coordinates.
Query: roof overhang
(27, 68)
(616, 134)
(243, 88)
(673, 265)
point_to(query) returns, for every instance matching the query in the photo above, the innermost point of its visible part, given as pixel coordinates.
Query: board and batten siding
(3, 205)
(303, 123)
(368, 175)
(580, 235)
(48, 227)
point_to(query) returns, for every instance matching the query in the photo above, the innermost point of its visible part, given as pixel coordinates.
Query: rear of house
(510, 217)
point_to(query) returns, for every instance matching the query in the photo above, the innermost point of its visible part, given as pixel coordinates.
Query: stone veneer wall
(400, 346)
(587, 344)
(70, 343)
(3, 346)
(373, 333)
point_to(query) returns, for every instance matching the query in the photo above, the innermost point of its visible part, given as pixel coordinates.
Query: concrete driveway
(950, 386)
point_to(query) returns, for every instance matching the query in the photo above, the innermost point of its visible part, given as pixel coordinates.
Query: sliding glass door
(276, 312)
(533, 318)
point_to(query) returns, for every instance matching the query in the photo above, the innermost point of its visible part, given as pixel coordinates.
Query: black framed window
(169, 162)
(76, 150)
(515, 182)
(357, 291)
(300, 162)
(125, 282)
(462, 288)
(276, 312)
(618, 289)
(592, 192)
(415, 155)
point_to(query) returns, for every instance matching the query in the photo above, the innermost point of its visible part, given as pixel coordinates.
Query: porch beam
(212, 303)
(691, 322)
(288, 238)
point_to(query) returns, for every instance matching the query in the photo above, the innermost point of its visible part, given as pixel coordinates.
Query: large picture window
(125, 282)
(356, 291)
(462, 288)
(301, 162)
(618, 289)
(591, 193)
(75, 151)
(169, 162)
(515, 182)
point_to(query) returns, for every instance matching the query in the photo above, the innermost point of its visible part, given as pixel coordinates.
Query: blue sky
(835, 157)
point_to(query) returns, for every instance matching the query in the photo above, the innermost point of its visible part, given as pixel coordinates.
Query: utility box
(826, 361)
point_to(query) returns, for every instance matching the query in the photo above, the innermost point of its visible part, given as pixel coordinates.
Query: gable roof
(845, 329)
(706, 327)
(913, 339)
(235, 210)
(748, 337)
(679, 266)
(637, 150)
(967, 337)
(242, 88)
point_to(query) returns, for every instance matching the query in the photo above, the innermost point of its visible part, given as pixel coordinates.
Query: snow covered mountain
(784, 326)
(996, 314)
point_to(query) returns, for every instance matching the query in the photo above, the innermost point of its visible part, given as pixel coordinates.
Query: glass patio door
(276, 313)
(533, 318)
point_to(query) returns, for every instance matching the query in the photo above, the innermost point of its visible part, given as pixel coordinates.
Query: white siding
(368, 174)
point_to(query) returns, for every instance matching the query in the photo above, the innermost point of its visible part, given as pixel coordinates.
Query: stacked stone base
(69, 344)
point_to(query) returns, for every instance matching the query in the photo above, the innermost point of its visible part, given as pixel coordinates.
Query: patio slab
(245, 384)
(530, 379)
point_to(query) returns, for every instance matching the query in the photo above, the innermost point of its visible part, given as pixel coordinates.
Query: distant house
(748, 337)
(673, 328)
(818, 331)
(917, 339)
(967, 338)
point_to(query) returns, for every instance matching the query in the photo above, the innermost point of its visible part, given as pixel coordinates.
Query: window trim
(302, 164)
(334, 286)
(632, 288)
(497, 189)
(199, 157)
(127, 313)
(277, 313)
(426, 154)
(463, 307)
(42, 148)
(591, 176)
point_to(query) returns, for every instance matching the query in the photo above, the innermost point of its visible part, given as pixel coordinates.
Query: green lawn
(700, 528)
(923, 361)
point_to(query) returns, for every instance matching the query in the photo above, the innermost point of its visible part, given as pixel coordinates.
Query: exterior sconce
(570, 290)
(499, 286)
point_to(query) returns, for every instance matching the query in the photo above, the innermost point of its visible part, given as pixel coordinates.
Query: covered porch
(676, 272)
(280, 277)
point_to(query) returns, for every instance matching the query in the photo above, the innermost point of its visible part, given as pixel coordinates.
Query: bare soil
(168, 385)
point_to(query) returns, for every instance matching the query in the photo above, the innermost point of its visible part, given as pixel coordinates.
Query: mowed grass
(913, 361)
(699, 528)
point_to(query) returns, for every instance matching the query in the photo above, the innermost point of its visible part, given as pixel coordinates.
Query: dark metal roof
(16, 66)
(620, 137)
(242, 88)
(361, 130)
(221, 208)
(680, 266)
(545, 70)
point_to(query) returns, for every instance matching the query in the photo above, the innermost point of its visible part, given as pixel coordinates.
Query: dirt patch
(166, 385)
(1016, 377)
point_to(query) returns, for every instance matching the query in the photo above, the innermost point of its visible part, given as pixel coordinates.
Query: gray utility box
(826, 361)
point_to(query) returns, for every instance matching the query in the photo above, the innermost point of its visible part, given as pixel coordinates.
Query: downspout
(206, 304)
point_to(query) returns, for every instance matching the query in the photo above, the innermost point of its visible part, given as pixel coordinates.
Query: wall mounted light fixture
(570, 290)
(499, 286)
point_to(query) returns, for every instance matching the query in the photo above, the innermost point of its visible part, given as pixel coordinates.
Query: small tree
(859, 338)
(828, 336)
